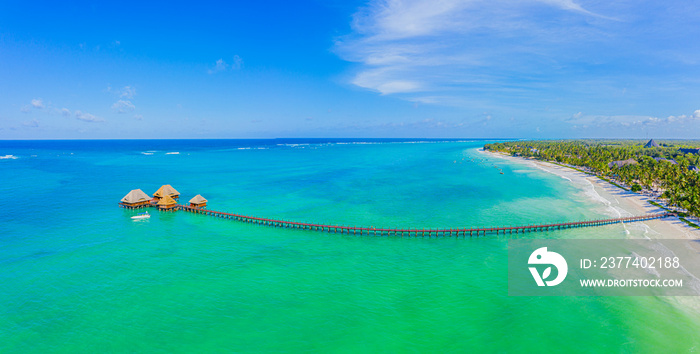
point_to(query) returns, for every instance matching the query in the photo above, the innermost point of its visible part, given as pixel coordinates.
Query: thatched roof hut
(661, 159)
(652, 144)
(198, 201)
(689, 151)
(166, 202)
(166, 190)
(135, 198)
(622, 163)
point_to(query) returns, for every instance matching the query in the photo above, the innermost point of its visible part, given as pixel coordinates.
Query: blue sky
(472, 68)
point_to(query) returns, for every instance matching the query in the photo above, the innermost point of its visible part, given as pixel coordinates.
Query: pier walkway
(354, 230)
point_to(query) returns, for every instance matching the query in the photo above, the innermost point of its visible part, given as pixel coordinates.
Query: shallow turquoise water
(78, 275)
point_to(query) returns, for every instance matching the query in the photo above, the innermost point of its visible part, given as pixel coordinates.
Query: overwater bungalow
(166, 190)
(135, 199)
(198, 201)
(167, 203)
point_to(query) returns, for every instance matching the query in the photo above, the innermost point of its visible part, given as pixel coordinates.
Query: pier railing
(355, 230)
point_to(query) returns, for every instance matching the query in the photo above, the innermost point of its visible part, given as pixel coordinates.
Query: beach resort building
(166, 190)
(621, 163)
(689, 151)
(198, 201)
(651, 144)
(167, 203)
(671, 161)
(135, 199)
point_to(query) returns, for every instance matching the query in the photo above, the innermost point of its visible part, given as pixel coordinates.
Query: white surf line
(596, 196)
(613, 205)
(591, 192)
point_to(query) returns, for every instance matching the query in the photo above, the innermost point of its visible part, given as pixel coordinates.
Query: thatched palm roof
(652, 143)
(622, 163)
(198, 199)
(166, 201)
(135, 196)
(671, 161)
(689, 151)
(164, 190)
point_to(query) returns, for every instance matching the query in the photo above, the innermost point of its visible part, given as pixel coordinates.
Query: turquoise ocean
(78, 275)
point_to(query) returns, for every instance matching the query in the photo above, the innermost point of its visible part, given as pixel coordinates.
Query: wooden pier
(355, 230)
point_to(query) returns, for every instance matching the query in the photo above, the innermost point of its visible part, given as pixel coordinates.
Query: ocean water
(78, 275)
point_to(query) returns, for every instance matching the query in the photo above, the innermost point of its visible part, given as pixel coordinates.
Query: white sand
(618, 202)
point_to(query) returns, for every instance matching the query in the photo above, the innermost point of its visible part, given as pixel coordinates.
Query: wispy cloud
(37, 103)
(422, 46)
(580, 120)
(237, 62)
(127, 92)
(32, 124)
(516, 57)
(87, 117)
(123, 106)
(221, 65)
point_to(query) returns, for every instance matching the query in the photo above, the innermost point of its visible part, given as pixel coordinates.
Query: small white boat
(145, 215)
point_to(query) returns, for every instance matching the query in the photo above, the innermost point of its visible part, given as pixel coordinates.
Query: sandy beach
(617, 202)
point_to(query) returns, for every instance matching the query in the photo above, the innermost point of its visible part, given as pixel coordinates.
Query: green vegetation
(664, 170)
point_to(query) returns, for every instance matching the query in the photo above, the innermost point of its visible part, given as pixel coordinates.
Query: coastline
(617, 201)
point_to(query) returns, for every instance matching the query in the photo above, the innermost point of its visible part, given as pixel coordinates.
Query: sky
(350, 69)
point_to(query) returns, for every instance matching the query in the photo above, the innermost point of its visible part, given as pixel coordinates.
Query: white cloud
(376, 80)
(580, 120)
(123, 106)
(127, 92)
(87, 117)
(453, 46)
(219, 66)
(237, 62)
(37, 103)
(33, 124)
(138, 117)
(222, 65)
(65, 112)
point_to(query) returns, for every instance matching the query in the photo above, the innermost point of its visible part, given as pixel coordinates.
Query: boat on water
(144, 215)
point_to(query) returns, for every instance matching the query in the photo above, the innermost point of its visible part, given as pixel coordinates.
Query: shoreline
(618, 202)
